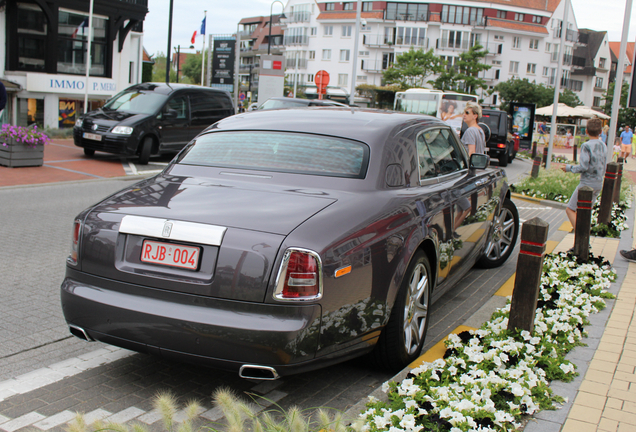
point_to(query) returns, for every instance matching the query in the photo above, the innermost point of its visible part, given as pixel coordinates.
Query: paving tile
(615, 403)
(620, 416)
(98, 414)
(56, 420)
(594, 388)
(590, 400)
(602, 365)
(616, 340)
(22, 421)
(610, 347)
(607, 425)
(599, 376)
(572, 425)
(608, 356)
(585, 413)
(629, 369)
(125, 415)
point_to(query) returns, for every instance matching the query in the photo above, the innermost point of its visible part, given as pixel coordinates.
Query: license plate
(170, 254)
(95, 137)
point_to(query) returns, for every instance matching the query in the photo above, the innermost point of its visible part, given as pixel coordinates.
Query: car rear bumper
(219, 333)
(110, 143)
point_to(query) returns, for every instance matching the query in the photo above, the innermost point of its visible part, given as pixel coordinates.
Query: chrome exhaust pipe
(80, 333)
(258, 372)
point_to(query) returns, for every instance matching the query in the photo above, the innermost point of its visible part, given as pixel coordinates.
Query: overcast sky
(223, 17)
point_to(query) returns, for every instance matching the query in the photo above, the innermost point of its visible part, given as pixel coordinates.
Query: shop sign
(69, 84)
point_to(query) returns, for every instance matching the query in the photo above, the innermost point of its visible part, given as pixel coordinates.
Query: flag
(81, 27)
(198, 32)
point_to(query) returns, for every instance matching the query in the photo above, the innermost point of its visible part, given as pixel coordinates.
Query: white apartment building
(522, 38)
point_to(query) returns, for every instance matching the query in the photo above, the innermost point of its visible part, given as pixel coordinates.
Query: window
(32, 32)
(548, 47)
(496, 62)
(475, 39)
(296, 35)
(546, 71)
(71, 45)
(519, 17)
(516, 42)
(330, 6)
(312, 55)
(501, 14)
(328, 30)
(536, 19)
(347, 6)
(454, 39)
(514, 67)
(342, 79)
(387, 60)
(346, 31)
(344, 55)
(531, 68)
(497, 72)
(361, 78)
(389, 35)
(601, 63)
(406, 12)
(499, 37)
(410, 36)
(462, 15)
(599, 82)
(367, 6)
(597, 101)
(450, 61)
(206, 108)
(438, 153)
(310, 78)
(363, 53)
(326, 54)
(534, 44)
(314, 31)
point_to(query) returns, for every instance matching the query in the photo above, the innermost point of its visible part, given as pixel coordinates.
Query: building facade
(45, 55)
(522, 38)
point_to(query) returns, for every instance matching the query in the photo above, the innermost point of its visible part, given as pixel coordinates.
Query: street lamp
(178, 49)
(282, 16)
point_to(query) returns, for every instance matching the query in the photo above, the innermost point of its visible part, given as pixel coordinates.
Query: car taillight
(299, 276)
(501, 145)
(77, 229)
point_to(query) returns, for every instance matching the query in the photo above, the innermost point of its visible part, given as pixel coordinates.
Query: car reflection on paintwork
(319, 235)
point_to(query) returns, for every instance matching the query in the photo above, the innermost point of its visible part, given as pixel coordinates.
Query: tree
(464, 75)
(191, 69)
(626, 116)
(159, 69)
(412, 68)
(522, 90)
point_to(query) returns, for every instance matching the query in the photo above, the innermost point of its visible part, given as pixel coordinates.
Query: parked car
(280, 241)
(287, 102)
(502, 143)
(150, 119)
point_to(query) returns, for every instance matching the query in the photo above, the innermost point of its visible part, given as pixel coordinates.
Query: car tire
(144, 151)
(89, 152)
(402, 339)
(502, 238)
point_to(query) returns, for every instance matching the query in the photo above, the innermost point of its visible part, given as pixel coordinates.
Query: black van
(151, 118)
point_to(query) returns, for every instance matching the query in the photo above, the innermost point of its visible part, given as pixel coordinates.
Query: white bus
(448, 106)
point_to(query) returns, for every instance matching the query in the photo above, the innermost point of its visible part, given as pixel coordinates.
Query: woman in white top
(473, 138)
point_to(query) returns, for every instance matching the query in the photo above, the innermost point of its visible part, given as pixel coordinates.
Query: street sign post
(321, 79)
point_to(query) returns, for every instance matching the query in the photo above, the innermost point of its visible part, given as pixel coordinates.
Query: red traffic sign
(242, 96)
(322, 78)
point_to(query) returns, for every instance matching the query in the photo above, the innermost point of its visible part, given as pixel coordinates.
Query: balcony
(421, 43)
(296, 17)
(275, 47)
(373, 66)
(570, 35)
(378, 41)
(494, 49)
(453, 45)
(292, 63)
(296, 40)
(248, 67)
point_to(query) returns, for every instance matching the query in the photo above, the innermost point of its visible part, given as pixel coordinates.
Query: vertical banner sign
(223, 61)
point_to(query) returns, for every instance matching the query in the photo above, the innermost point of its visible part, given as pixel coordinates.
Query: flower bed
(491, 377)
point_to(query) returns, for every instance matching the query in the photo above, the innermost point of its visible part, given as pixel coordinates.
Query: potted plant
(22, 146)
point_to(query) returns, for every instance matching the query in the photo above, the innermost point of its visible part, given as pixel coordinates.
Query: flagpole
(203, 49)
(88, 55)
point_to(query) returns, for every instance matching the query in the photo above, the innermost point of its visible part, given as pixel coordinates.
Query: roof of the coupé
(360, 124)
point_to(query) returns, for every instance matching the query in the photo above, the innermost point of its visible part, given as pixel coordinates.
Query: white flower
(385, 387)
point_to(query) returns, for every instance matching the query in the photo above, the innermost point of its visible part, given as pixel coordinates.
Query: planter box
(18, 155)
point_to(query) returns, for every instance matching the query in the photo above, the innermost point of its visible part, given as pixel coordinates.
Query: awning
(566, 111)
(11, 86)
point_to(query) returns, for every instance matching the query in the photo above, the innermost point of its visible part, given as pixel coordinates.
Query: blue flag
(203, 26)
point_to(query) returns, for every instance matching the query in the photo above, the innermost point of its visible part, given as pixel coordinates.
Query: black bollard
(534, 150)
(535, 167)
(583, 221)
(545, 156)
(619, 179)
(534, 234)
(607, 195)
(575, 151)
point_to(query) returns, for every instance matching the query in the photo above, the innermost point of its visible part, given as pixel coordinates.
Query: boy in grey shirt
(591, 167)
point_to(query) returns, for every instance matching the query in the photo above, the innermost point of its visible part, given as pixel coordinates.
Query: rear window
(280, 152)
(492, 121)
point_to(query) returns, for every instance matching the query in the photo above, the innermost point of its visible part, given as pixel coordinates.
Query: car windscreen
(277, 103)
(280, 152)
(137, 102)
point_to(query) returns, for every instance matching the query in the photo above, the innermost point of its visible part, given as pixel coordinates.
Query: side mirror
(479, 161)
(170, 114)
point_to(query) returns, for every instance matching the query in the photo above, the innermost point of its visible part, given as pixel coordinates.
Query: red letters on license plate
(170, 254)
